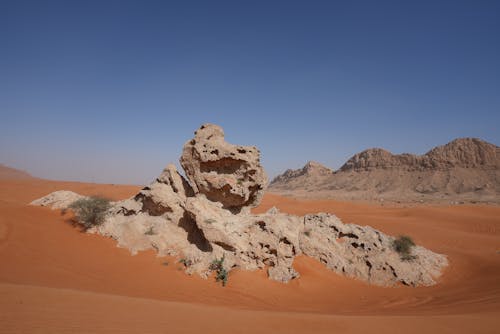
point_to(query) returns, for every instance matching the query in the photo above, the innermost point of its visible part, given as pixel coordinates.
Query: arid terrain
(56, 279)
(466, 170)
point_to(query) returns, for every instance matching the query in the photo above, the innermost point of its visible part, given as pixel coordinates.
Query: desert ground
(56, 279)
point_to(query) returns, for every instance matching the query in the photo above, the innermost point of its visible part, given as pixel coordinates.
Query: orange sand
(55, 279)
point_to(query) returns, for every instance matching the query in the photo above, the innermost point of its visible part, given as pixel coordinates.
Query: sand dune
(8, 173)
(53, 278)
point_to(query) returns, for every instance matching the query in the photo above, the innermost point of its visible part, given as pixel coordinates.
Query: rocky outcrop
(462, 152)
(165, 196)
(208, 218)
(60, 199)
(464, 170)
(363, 252)
(311, 169)
(224, 173)
(252, 241)
(465, 153)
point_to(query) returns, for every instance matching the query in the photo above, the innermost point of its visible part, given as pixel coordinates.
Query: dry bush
(403, 245)
(91, 211)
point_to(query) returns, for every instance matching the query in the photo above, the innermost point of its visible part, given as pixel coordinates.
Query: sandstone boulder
(366, 254)
(165, 196)
(250, 241)
(60, 199)
(229, 174)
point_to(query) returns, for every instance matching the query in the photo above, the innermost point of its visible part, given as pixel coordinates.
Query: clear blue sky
(109, 91)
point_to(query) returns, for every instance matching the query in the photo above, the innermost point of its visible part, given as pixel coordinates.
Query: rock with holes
(250, 241)
(165, 196)
(209, 219)
(155, 217)
(228, 174)
(366, 254)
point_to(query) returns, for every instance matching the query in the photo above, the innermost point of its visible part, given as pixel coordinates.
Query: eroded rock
(165, 196)
(224, 173)
(365, 253)
(255, 241)
(60, 199)
(209, 219)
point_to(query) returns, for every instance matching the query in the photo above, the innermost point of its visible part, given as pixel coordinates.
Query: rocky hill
(466, 169)
(312, 169)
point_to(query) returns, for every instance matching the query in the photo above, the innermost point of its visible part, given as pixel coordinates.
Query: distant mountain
(466, 169)
(8, 173)
(462, 152)
(312, 169)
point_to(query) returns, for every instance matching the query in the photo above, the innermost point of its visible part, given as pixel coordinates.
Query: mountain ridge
(464, 169)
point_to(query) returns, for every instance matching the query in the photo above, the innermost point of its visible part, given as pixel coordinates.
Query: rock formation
(208, 217)
(224, 173)
(462, 152)
(465, 169)
(312, 169)
(60, 199)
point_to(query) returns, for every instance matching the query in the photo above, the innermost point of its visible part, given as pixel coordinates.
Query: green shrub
(91, 211)
(221, 273)
(403, 245)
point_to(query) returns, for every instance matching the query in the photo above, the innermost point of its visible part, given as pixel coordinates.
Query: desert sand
(56, 279)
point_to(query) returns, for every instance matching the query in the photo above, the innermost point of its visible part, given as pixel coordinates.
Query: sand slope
(8, 173)
(53, 278)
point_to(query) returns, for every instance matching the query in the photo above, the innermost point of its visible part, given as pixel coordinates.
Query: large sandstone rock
(224, 173)
(209, 220)
(165, 196)
(365, 253)
(252, 241)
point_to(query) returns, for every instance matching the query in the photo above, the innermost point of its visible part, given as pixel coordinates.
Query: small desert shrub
(403, 245)
(307, 233)
(186, 262)
(91, 211)
(150, 231)
(221, 273)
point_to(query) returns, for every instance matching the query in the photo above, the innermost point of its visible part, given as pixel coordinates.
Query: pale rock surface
(224, 173)
(209, 219)
(256, 241)
(60, 199)
(365, 253)
(165, 196)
